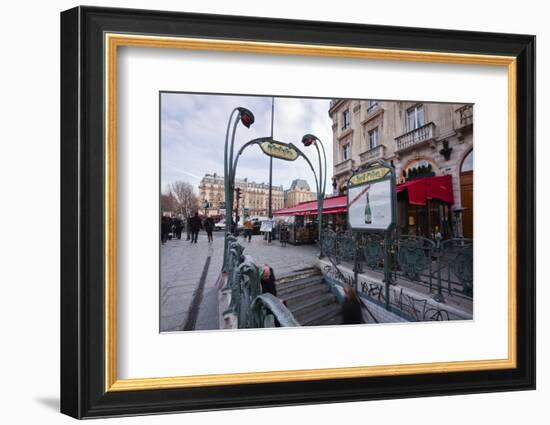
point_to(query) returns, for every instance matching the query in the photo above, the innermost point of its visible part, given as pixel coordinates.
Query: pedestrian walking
(164, 229)
(209, 227)
(283, 235)
(351, 308)
(248, 226)
(178, 227)
(188, 228)
(268, 280)
(195, 226)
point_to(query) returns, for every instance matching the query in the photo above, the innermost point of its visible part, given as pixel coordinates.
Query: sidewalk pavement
(189, 272)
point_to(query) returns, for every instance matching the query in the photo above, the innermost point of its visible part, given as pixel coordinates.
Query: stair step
(295, 285)
(321, 316)
(298, 276)
(317, 303)
(308, 298)
(335, 320)
(297, 296)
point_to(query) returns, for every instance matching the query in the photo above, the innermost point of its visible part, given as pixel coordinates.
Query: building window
(374, 138)
(345, 119)
(371, 105)
(415, 117)
(345, 152)
(468, 163)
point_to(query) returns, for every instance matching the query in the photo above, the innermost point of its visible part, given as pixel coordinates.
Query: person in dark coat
(178, 227)
(164, 229)
(209, 227)
(268, 280)
(195, 225)
(188, 227)
(351, 308)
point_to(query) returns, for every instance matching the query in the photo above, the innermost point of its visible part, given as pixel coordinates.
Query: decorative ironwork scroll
(252, 308)
(414, 255)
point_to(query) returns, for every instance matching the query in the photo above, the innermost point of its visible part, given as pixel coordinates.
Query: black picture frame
(83, 392)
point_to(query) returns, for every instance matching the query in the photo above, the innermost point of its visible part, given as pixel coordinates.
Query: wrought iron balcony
(464, 116)
(416, 137)
(372, 154)
(344, 167)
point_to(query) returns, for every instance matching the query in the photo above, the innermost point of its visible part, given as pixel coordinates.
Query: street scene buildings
(254, 196)
(299, 192)
(269, 212)
(421, 140)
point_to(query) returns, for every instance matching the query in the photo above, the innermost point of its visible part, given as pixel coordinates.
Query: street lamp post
(270, 206)
(247, 119)
(237, 217)
(261, 140)
(308, 140)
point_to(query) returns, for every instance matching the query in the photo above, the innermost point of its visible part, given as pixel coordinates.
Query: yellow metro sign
(369, 175)
(279, 150)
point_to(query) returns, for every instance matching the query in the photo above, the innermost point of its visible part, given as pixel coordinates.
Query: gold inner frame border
(113, 40)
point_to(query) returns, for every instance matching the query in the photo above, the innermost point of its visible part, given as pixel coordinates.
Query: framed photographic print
(261, 212)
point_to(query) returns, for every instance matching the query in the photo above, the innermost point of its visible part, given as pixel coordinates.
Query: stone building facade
(416, 137)
(299, 192)
(254, 196)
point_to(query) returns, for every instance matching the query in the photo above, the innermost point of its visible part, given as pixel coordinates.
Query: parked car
(220, 225)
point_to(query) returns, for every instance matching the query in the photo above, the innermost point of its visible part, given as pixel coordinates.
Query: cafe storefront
(424, 207)
(301, 220)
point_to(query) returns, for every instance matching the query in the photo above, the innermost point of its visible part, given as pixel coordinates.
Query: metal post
(320, 184)
(387, 277)
(439, 296)
(270, 205)
(356, 261)
(237, 214)
(226, 173)
(320, 194)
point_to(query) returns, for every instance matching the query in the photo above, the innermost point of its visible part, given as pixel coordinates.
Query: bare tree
(167, 202)
(185, 200)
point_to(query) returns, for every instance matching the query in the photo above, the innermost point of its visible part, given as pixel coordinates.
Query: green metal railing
(251, 308)
(445, 266)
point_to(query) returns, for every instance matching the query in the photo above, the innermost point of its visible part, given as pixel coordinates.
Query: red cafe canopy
(418, 191)
(335, 204)
(436, 187)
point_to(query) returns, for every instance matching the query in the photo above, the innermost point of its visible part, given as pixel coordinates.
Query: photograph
(298, 211)
(263, 211)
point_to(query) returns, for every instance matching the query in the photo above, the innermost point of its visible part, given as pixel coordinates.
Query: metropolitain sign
(279, 150)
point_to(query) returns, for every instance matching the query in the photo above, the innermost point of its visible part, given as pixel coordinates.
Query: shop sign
(266, 226)
(369, 175)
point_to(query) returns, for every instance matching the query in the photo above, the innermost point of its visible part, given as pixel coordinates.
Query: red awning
(436, 187)
(332, 205)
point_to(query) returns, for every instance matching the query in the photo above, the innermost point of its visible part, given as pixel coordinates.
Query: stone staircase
(309, 299)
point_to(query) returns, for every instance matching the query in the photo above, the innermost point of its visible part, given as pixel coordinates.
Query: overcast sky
(193, 135)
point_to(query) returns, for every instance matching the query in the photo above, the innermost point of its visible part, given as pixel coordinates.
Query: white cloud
(193, 130)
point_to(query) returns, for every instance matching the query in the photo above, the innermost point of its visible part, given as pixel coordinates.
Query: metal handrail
(268, 310)
(341, 277)
(251, 308)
